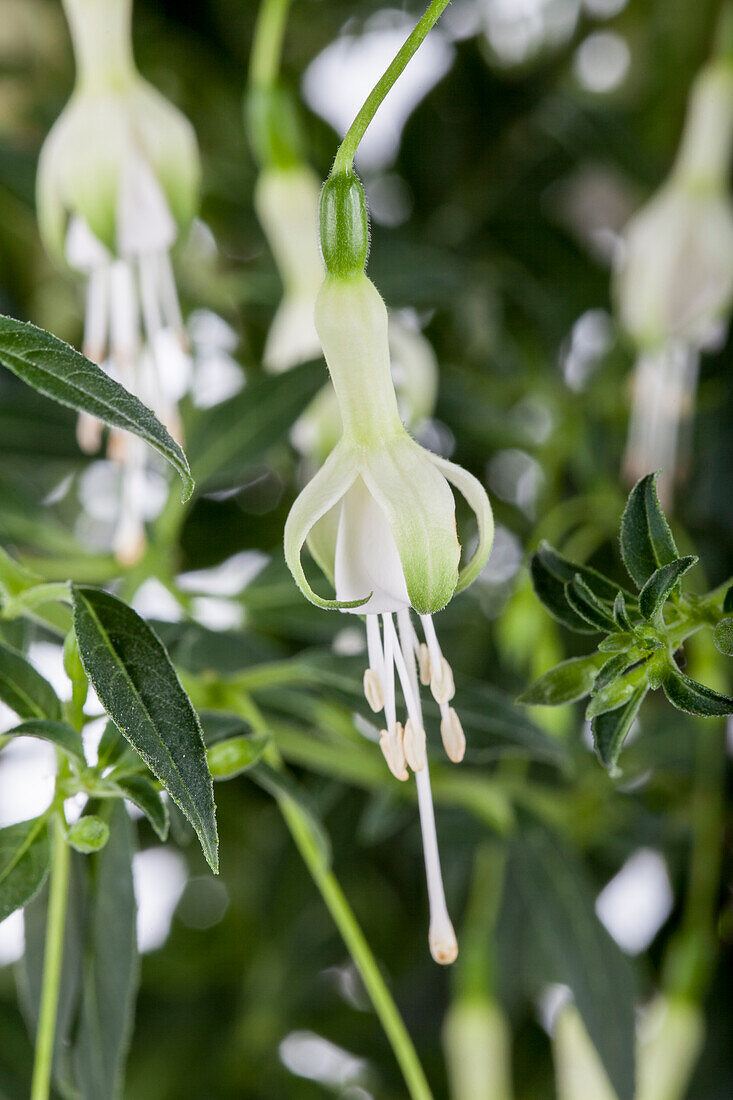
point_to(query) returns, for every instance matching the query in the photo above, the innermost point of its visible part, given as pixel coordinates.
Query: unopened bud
(454, 739)
(414, 742)
(373, 690)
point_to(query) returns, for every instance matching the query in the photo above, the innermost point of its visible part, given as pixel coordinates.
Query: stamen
(124, 320)
(88, 432)
(388, 680)
(414, 742)
(408, 680)
(442, 684)
(442, 938)
(391, 746)
(423, 660)
(451, 731)
(373, 690)
(373, 687)
(169, 298)
(96, 315)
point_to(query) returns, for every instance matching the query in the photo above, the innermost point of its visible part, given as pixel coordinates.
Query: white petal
(366, 555)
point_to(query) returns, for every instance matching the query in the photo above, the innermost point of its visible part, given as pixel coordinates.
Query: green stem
(35, 597)
(348, 147)
(359, 950)
(344, 919)
(52, 961)
(267, 42)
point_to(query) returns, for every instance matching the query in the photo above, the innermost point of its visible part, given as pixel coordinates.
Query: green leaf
(137, 685)
(565, 683)
(723, 636)
(110, 972)
(559, 905)
(620, 614)
(230, 758)
(610, 729)
(23, 689)
(280, 785)
(551, 573)
(58, 733)
(236, 434)
(656, 590)
(618, 690)
(65, 375)
(646, 538)
(694, 698)
(143, 793)
(552, 592)
(24, 856)
(613, 668)
(88, 834)
(588, 606)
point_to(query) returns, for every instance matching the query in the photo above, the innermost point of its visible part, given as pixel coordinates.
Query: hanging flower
(286, 201)
(415, 376)
(673, 280)
(379, 518)
(118, 181)
(674, 274)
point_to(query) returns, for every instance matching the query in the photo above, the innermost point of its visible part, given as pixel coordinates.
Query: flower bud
(344, 225)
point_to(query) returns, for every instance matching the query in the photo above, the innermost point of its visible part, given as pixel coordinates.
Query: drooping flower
(673, 279)
(118, 181)
(379, 518)
(286, 201)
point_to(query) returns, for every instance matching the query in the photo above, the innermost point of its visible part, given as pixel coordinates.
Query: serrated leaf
(58, 733)
(588, 606)
(611, 728)
(659, 586)
(559, 904)
(236, 755)
(614, 643)
(24, 856)
(110, 970)
(88, 834)
(565, 570)
(60, 372)
(646, 538)
(137, 685)
(723, 636)
(23, 689)
(565, 683)
(139, 790)
(694, 698)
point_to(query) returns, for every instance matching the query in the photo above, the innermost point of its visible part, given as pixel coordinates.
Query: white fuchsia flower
(379, 518)
(674, 274)
(673, 279)
(118, 181)
(286, 201)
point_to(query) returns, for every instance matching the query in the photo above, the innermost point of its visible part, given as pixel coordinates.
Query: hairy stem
(267, 42)
(348, 147)
(52, 960)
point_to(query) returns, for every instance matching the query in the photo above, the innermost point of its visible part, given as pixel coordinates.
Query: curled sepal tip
(477, 499)
(327, 487)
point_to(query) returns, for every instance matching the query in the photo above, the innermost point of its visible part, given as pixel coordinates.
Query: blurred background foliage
(493, 217)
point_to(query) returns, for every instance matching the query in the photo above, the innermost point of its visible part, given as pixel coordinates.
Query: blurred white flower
(118, 180)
